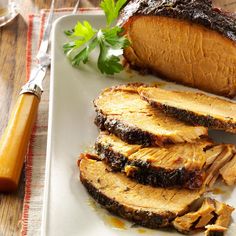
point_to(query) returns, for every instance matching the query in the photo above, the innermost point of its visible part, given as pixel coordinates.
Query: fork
(15, 139)
(76, 7)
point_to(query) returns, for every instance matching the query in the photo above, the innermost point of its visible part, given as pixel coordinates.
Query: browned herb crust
(128, 133)
(197, 11)
(193, 118)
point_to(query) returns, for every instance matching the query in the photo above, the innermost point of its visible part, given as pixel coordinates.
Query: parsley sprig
(84, 39)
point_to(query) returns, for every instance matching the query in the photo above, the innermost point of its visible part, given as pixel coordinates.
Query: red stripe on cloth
(29, 46)
(28, 164)
(69, 9)
(89, 9)
(28, 181)
(42, 23)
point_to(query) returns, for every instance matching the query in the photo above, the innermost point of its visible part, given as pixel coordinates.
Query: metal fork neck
(32, 88)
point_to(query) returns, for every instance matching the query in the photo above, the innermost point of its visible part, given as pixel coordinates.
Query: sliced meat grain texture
(228, 171)
(179, 165)
(219, 163)
(185, 41)
(193, 107)
(188, 165)
(141, 204)
(121, 111)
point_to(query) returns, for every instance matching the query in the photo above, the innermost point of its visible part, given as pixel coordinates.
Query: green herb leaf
(111, 9)
(114, 38)
(69, 32)
(111, 45)
(83, 55)
(110, 40)
(108, 64)
(80, 35)
(67, 47)
(119, 5)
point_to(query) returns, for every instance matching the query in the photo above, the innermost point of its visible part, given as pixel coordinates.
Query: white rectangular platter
(67, 209)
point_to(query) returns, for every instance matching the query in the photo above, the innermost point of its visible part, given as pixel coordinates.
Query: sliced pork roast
(121, 111)
(141, 204)
(193, 107)
(184, 41)
(188, 165)
(148, 206)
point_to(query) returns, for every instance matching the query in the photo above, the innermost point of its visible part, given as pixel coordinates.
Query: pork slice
(141, 204)
(123, 113)
(179, 165)
(114, 151)
(193, 107)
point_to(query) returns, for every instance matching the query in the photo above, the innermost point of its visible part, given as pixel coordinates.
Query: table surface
(12, 77)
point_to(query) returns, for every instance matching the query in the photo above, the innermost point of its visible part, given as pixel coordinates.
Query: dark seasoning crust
(196, 11)
(143, 173)
(194, 119)
(127, 133)
(115, 160)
